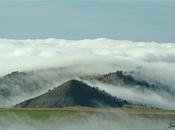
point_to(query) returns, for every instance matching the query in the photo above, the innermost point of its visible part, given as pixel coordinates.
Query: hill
(126, 79)
(73, 93)
(20, 83)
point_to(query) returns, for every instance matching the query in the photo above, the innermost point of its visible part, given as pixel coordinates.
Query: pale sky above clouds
(71, 19)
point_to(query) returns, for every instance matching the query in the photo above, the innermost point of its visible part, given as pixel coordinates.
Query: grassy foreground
(67, 112)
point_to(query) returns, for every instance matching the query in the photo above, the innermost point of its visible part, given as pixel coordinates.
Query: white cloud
(101, 54)
(43, 53)
(154, 61)
(46, 53)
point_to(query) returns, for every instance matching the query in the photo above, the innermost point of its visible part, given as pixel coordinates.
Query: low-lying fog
(111, 121)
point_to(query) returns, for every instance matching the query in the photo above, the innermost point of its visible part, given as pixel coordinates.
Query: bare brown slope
(73, 93)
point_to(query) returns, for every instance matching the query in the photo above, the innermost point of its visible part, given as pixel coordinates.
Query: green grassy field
(37, 114)
(84, 118)
(68, 112)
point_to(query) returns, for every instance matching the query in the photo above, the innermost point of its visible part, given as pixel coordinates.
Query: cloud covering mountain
(152, 62)
(99, 55)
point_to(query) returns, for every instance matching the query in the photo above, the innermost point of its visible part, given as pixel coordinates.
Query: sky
(72, 19)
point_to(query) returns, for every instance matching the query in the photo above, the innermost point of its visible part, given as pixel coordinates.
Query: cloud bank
(100, 55)
(154, 62)
(32, 54)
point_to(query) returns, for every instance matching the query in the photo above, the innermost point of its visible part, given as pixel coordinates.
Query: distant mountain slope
(127, 80)
(18, 83)
(18, 86)
(73, 93)
(27, 83)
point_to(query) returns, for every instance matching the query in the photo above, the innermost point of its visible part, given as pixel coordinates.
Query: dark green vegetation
(73, 93)
(127, 80)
